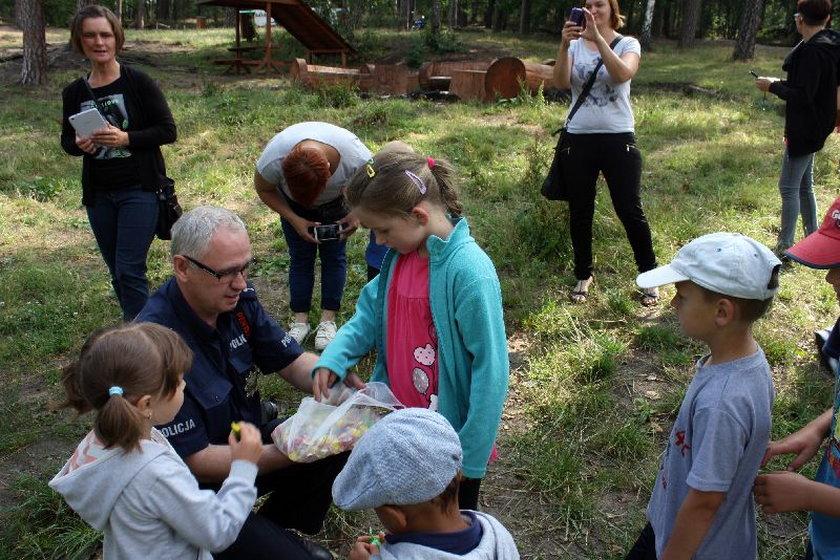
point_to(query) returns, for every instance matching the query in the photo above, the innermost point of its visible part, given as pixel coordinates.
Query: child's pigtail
(445, 178)
(120, 423)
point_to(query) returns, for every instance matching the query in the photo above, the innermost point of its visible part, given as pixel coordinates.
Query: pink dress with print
(411, 341)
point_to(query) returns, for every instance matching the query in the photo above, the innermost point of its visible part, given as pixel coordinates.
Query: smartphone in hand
(578, 17)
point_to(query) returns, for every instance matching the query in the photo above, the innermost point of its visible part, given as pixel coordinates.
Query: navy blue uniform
(220, 389)
(221, 385)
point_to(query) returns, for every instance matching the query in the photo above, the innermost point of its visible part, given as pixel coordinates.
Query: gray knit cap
(408, 457)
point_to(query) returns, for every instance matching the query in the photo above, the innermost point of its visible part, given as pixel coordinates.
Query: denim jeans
(796, 187)
(302, 253)
(618, 158)
(123, 222)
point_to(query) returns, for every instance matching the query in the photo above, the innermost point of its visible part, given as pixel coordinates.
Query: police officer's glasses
(223, 276)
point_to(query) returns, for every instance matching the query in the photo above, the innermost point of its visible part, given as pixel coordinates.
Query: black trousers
(468, 493)
(645, 547)
(299, 497)
(620, 161)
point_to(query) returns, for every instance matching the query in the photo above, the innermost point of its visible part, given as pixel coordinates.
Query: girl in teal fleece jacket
(434, 314)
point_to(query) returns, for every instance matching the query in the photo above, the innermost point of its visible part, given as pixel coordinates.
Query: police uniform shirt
(221, 384)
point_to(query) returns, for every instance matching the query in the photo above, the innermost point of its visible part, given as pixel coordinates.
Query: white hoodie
(496, 544)
(149, 504)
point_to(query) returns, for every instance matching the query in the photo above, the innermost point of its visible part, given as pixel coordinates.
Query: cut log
(311, 74)
(391, 79)
(468, 84)
(505, 75)
(438, 75)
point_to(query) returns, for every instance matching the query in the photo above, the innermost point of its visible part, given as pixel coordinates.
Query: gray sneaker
(299, 331)
(324, 334)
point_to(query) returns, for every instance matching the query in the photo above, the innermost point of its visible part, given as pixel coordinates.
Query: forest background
(594, 388)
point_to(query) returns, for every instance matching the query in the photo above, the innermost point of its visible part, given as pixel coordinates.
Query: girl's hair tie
(371, 172)
(431, 161)
(115, 390)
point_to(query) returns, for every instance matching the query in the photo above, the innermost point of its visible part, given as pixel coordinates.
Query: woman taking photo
(600, 138)
(301, 175)
(122, 165)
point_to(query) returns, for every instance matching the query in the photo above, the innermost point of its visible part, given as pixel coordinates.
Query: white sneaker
(299, 331)
(324, 334)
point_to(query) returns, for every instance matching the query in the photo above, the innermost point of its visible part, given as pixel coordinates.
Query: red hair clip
(431, 162)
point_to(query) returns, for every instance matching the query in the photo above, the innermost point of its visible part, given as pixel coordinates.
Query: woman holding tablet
(122, 165)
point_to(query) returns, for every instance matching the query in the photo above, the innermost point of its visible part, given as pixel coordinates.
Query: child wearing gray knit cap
(407, 468)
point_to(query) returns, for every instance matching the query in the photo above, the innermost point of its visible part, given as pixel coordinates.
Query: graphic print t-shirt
(411, 341)
(606, 110)
(113, 168)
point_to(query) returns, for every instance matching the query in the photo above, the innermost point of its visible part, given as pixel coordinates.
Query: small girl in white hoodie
(124, 478)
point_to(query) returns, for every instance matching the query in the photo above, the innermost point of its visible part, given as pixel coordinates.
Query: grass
(597, 386)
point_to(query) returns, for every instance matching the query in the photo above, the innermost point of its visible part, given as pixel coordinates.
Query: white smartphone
(87, 122)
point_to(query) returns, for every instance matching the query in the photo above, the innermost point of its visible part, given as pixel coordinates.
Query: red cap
(821, 249)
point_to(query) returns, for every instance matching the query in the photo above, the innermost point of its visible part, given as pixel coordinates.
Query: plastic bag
(329, 427)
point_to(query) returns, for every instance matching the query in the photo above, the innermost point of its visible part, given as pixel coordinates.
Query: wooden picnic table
(239, 63)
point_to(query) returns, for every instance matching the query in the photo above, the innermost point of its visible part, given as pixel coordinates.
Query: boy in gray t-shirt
(701, 506)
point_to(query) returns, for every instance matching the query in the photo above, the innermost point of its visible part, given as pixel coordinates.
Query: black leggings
(618, 158)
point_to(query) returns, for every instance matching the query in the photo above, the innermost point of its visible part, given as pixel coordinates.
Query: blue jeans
(302, 255)
(796, 187)
(123, 222)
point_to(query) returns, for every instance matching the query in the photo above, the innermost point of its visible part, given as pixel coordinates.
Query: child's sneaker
(324, 334)
(299, 331)
(828, 363)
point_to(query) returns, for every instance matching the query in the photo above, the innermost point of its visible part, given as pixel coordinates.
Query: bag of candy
(321, 429)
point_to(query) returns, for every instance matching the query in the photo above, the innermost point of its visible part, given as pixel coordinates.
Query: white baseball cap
(727, 263)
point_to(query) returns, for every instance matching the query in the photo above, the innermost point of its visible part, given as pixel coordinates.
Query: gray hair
(193, 231)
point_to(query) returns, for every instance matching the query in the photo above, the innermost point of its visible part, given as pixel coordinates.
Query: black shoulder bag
(169, 210)
(554, 186)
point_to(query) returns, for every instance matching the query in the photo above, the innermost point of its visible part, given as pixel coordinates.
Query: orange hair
(306, 171)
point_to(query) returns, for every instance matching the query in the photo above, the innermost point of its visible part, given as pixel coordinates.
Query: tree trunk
(489, 14)
(690, 17)
(647, 24)
(435, 19)
(747, 30)
(34, 70)
(118, 9)
(452, 14)
(19, 14)
(140, 15)
(525, 17)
